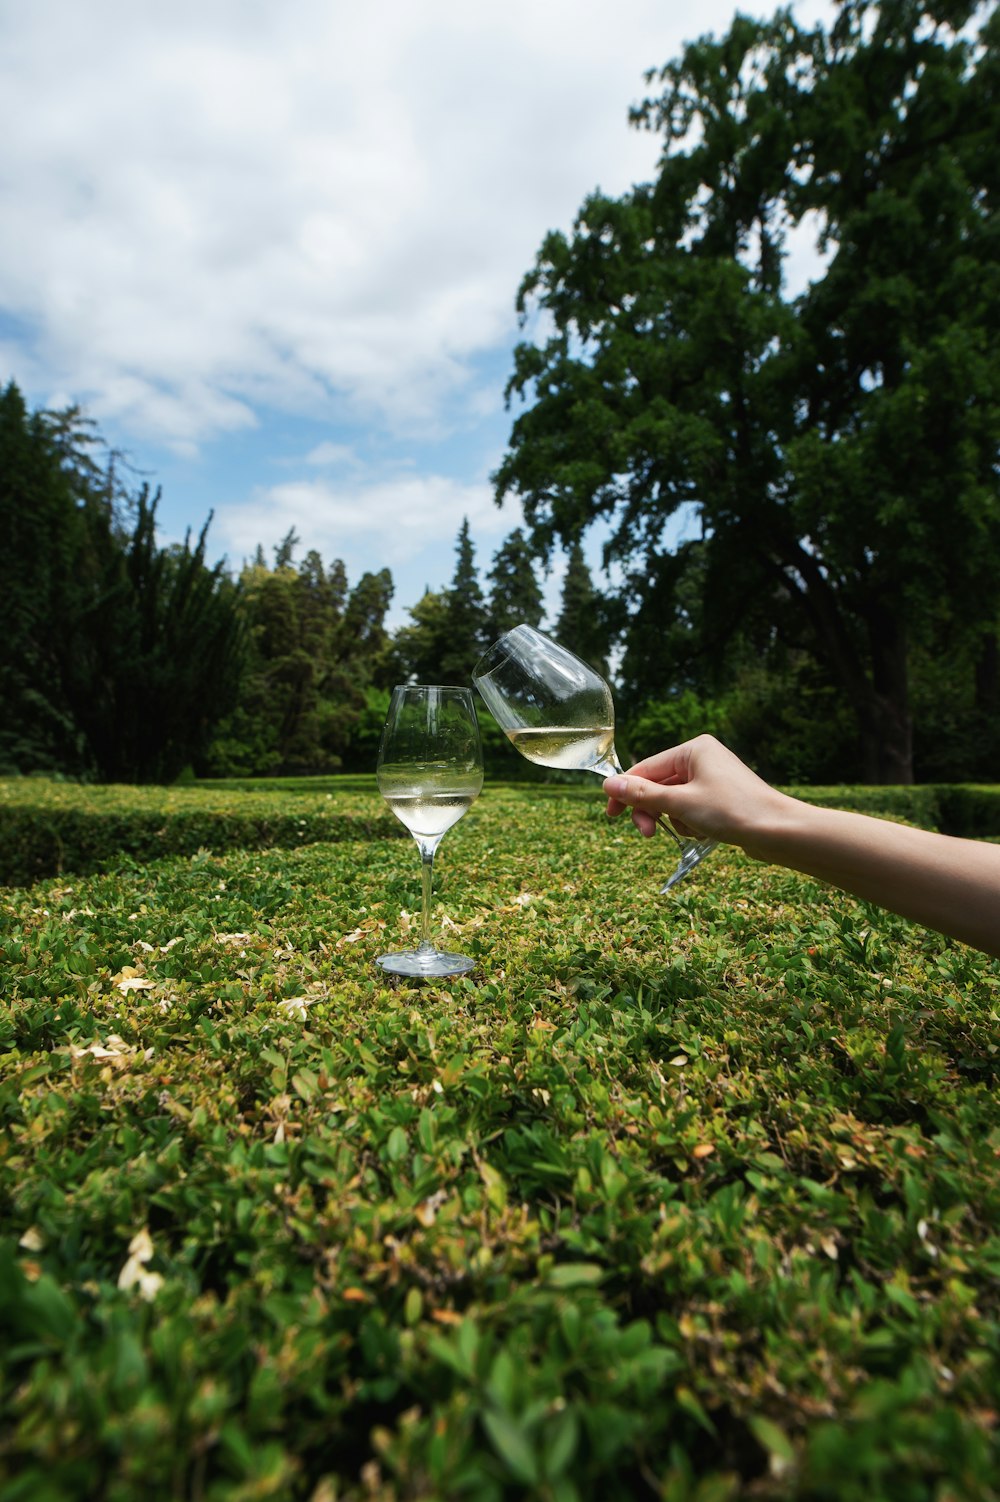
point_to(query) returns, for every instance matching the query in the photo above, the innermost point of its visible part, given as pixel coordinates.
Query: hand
(703, 789)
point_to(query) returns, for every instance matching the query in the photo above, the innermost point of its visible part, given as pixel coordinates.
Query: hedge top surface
(691, 1198)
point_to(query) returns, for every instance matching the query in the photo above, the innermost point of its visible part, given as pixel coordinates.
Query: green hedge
(917, 805)
(48, 828)
(689, 1197)
(955, 808)
(969, 809)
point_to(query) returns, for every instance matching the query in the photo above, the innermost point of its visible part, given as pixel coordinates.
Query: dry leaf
(135, 1274)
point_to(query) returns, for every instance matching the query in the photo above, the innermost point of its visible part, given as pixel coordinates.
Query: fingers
(668, 767)
(629, 791)
(645, 799)
(648, 801)
(644, 823)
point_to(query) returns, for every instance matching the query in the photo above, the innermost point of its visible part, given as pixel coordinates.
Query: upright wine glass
(430, 768)
(557, 711)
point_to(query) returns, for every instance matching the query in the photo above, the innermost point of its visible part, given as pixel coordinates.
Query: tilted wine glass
(558, 711)
(430, 768)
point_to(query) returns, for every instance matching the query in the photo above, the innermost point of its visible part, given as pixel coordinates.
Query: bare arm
(948, 884)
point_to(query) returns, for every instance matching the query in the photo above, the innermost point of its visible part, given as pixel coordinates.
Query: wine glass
(430, 768)
(557, 711)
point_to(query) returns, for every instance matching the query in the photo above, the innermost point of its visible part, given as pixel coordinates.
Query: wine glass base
(425, 963)
(692, 855)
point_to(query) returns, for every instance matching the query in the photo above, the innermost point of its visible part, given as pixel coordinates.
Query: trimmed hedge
(967, 809)
(689, 1197)
(954, 808)
(917, 805)
(50, 828)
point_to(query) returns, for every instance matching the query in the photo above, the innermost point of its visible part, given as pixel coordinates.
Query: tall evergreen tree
(515, 594)
(582, 625)
(419, 648)
(315, 648)
(170, 667)
(449, 628)
(468, 620)
(119, 656)
(365, 638)
(42, 539)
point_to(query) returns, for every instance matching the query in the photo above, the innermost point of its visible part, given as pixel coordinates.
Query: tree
(839, 446)
(419, 649)
(449, 628)
(365, 639)
(315, 649)
(118, 655)
(165, 655)
(582, 625)
(468, 623)
(515, 594)
(41, 537)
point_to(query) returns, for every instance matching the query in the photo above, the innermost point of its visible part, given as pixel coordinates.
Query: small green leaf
(512, 1446)
(562, 1436)
(774, 1440)
(575, 1275)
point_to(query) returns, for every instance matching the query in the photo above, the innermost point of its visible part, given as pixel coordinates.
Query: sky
(274, 250)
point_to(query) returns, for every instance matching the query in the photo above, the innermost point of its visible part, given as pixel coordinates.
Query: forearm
(948, 884)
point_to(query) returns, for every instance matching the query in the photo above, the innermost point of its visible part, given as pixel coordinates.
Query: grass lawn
(686, 1197)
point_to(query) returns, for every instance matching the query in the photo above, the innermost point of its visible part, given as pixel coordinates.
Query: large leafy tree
(839, 446)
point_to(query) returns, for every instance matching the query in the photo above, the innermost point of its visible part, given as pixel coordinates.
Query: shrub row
(48, 829)
(692, 1198)
(955, 808)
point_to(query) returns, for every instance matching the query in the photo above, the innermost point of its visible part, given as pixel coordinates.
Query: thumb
(634, 792)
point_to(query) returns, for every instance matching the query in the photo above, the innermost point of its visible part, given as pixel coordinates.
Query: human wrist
(772, 825)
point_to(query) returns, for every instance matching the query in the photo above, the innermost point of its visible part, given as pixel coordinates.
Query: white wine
(574, 748)
(429, 814)
(431, 797)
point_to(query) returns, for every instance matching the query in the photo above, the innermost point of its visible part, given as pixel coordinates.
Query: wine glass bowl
(558, 711)
(430, 769)
(551, 705)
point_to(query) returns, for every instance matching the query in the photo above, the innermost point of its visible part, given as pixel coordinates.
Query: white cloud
(318, 207)
(402, 514)
(233, 223)
(407, 522)
(332, 456)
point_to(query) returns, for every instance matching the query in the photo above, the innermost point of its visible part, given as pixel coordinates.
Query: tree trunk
(887, 726)
(879, 694)
(988, 673)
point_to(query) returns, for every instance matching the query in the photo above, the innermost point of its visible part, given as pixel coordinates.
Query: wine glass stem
(427, 881)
